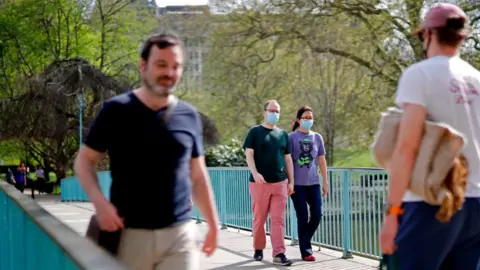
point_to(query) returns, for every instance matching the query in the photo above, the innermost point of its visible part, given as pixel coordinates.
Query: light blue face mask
(306, 123)
(273, 117)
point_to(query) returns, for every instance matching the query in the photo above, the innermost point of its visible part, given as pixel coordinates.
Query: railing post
(347, 251)
(293, 223)
(223, 201)
(199, 221)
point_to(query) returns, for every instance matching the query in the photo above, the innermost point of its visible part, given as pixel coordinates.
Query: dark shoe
(258, 256)
(282, 260)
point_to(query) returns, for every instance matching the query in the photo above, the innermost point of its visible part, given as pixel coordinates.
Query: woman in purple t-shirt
(308, 154)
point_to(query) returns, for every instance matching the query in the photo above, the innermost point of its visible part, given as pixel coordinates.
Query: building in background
(193, 24)
(148, 5)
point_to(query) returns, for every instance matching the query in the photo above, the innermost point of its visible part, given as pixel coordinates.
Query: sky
(163, 3)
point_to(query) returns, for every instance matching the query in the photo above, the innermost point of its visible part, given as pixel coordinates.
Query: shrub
(226, 155)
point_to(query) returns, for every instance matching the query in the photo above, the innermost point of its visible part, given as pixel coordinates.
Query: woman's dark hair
(300, 112)
(452, 34)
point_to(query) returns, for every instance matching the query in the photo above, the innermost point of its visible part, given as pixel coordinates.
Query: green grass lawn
(360, 158)
(52, 175)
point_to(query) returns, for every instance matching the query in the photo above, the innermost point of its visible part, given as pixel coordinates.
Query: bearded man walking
(149, 128)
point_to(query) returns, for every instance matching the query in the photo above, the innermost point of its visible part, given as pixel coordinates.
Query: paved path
(235, 249)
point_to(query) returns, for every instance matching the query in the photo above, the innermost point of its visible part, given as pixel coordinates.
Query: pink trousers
(269, 199)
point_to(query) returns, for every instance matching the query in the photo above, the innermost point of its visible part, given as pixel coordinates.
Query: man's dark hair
(452, 34)
(162, 41)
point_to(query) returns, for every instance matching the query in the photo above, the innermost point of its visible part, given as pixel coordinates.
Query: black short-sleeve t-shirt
(269, 149)
(149, 161)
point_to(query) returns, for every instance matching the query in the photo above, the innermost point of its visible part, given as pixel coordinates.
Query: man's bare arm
(403, 159)
(202, 191)
(289, 164)
(85, 169)
(250, 161)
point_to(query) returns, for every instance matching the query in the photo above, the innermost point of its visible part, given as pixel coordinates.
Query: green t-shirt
(269, 147)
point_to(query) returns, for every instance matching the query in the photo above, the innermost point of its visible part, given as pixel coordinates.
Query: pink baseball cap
(439, 15)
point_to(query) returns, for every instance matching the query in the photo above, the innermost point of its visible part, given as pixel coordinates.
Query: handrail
(81, 250)
(333, 167)
(352, 212)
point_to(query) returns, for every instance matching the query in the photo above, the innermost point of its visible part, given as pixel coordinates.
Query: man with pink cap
(446, 89)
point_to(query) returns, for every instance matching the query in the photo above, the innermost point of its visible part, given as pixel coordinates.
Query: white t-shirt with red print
(449, 89)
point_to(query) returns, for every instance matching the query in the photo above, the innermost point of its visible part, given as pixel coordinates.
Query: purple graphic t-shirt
(305, 148)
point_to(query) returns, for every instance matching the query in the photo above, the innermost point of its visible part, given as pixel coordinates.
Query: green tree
(241, 74)
(33, 34)
(120, 27)
(11, 153)
(345, 102)
(246, 68)
(381, 29)
(344, 58)
(47, 49)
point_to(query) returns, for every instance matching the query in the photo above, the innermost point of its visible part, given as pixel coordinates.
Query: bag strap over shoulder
(170, 107)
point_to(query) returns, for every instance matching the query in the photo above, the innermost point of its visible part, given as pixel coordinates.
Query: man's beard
(157, 89)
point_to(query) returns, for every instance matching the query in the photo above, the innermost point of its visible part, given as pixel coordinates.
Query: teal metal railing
(73, 191)
(352, 208)
(32, 239)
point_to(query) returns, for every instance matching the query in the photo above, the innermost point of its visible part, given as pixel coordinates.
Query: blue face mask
(306, 123)
(273, 117)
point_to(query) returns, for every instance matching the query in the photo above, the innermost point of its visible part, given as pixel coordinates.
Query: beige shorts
(172, 248)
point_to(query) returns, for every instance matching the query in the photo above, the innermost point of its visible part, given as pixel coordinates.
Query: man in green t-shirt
(271, 181)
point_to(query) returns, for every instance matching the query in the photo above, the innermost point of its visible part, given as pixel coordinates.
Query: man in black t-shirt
(147, 128)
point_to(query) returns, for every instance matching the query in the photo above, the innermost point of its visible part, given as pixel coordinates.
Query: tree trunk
(47, 170)
(329, 145)
(61, 174)
(61, 166)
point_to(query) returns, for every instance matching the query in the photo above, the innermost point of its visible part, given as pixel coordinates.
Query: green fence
(353, 207)
(32, 239)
